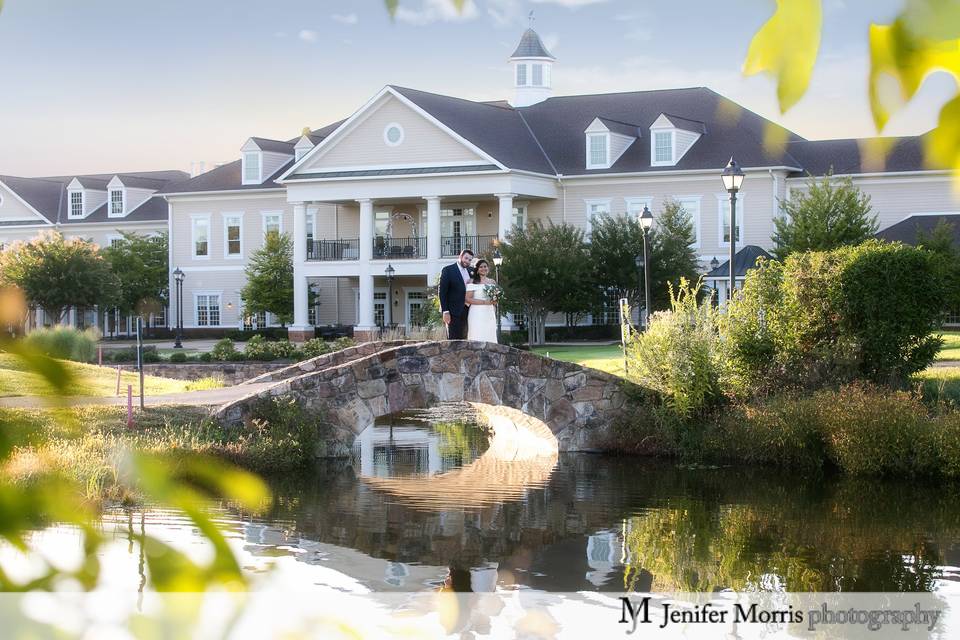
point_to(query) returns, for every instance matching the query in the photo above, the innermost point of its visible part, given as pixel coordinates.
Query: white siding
(11, 208)
(684, 140)
(272, 162)
(136, 197)
(92, 200)
(618, 144)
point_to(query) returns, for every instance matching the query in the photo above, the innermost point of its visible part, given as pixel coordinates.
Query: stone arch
(577, 404)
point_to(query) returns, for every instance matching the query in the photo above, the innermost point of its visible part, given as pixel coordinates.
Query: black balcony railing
(399, 248)
(326, 250)
(452, 245)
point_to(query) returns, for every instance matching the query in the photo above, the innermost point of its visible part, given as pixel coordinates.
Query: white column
(366, 236)
(505, 222)
(300, 322)
(433, 239)
(365, 321)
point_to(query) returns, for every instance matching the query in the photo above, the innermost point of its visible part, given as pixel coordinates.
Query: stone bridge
(355, 386)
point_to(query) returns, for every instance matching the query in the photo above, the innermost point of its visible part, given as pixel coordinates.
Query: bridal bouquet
(493, 292)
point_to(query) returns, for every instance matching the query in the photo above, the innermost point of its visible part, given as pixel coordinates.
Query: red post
(118, 379)
(129, 406)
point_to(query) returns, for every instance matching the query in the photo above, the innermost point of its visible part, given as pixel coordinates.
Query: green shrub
(257, 348)
(223, 350)
(282, 349)
(65, 343)
(824, 318)
(205, 357)
(151, 356)
(129, 354)
(946, 440)
(316, 347)
(178, 357)
(678, 356)
(236, 356)
(343, 343)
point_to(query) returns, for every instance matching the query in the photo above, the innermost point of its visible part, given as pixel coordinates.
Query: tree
(617, 241)
(827, 215)
(269, 285)
(56, 274)
(541, 265)
(141, 264)
(672, 258)
(940, 242)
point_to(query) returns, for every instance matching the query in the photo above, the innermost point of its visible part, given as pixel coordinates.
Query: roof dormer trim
(251, 163)
(683, 134)
(615, 142)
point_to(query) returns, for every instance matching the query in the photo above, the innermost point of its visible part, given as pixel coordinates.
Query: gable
(13, 208)
(364, 143)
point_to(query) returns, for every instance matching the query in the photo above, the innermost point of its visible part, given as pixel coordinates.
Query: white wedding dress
(482, 319)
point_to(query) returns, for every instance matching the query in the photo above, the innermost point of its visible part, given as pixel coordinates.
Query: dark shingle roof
(743, 261)
(48, 194)
(906, 231)
(277, 146)
(620, 127)
(686, 123)
(531, 46)
(819, 157)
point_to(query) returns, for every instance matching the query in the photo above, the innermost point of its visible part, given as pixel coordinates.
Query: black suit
(453, 295)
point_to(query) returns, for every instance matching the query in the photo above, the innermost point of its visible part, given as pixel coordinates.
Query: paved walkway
(205, 398)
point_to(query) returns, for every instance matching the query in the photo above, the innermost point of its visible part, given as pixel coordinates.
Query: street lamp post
(497, 261)
(178, 278)
(388, 314)
(732, 177)
(714, 263)
(646, 222)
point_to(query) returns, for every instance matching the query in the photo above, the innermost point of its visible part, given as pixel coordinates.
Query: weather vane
(531, 19)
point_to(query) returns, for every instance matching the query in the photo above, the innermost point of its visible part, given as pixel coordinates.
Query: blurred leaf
(786, 47)
(392, 6)
(223, 479)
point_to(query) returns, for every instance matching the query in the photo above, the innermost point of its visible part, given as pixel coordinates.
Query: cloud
(551, 41)
(308, 35)
(431, 11)
(505, 13)
(639, 34)
(345, 18)
(572, 4)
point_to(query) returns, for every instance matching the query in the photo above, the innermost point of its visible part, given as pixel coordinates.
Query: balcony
(399, 248)
(331, 250)
(451, 246)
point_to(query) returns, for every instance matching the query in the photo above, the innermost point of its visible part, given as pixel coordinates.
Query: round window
(393, 134)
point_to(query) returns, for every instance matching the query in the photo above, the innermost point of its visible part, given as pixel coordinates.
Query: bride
(482, 320)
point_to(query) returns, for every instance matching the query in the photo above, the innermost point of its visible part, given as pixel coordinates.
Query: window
(232, 235)
(663, 146)
(208, 310)
(521, 75)
(381, 224)
(115, 241)
(201, 237)
(255, 321)
(272, 222)
(116, 202)
(597, 152)
(596, 207)
(537, 75)
(311, 223)
(691, 205)
(76, 204)
(158, 318)
(635, 205)
(393, 134)
(379, 307)
(520, 216)
(251, 167)
(723, 210)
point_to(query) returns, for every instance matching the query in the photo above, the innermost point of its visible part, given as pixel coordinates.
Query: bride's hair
(475, 271)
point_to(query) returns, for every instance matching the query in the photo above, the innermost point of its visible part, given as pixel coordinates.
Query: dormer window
(116, 202)
(597, 151)
(521, 75)
(76, 204)
(663, 147)
(251, 167)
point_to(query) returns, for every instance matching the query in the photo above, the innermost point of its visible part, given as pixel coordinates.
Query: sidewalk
(205, 398)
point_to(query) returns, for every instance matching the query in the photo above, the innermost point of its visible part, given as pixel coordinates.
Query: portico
(382, 223)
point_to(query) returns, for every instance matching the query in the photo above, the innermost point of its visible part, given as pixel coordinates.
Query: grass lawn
(89, 380)
(607, 358)
(951, 346)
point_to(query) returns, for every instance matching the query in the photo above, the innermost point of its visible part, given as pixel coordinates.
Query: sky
(107, 86)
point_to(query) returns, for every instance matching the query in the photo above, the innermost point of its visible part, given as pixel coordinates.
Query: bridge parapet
(578, 404)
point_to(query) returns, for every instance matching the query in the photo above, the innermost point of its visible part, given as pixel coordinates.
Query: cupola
(532, 68)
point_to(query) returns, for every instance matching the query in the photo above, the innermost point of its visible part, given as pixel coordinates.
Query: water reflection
(436, 509)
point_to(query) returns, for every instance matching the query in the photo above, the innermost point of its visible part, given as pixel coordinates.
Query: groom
(453, 293)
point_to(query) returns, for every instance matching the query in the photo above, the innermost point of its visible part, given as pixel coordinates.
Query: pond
(428, 501)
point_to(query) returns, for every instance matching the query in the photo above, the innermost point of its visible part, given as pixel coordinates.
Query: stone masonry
(576, 403)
